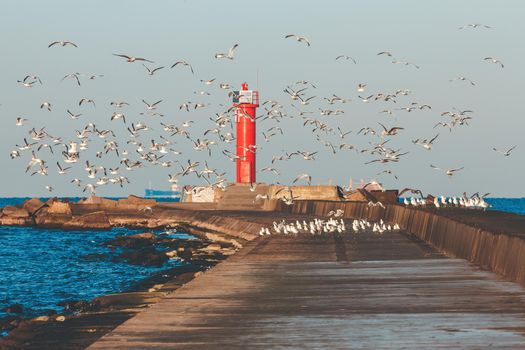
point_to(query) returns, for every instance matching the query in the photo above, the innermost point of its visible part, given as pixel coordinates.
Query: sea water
(40, 268)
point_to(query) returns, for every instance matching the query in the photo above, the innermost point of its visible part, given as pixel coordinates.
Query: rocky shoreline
(84, 321)
(93, 213)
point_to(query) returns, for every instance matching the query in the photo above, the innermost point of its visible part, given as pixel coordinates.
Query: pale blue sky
(423, 32)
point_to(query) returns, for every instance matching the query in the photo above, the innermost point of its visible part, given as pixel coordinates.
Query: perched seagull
(229, 55)
(184, 63)
(507, 152)
(300, 39)
(132, 59)
(494, 60)
(448, 172)
(62, 43)
(346, 58)
(152, 71)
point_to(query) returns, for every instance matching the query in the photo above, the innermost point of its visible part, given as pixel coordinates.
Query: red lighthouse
(246, 102)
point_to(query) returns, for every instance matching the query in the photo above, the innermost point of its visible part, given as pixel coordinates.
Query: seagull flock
(319, 226)
(151, 138)
(473, 202)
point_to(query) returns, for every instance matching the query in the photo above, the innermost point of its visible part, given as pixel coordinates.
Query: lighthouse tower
(246, 102)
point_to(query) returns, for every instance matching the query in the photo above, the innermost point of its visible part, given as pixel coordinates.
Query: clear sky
(423, 32)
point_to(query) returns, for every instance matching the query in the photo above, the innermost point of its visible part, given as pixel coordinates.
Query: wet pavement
(358, 291)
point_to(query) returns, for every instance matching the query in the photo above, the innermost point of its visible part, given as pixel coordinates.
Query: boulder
(145, 235)
(77, 306)
(137, 201)
(93, 221)
(14, 309)
(133, 241)
(99, 202)
(147, 256)
(60, 208)
(14, 216)
(15, 212)
(33, 204)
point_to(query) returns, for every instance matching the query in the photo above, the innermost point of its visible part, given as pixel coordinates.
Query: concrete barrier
(502, 252)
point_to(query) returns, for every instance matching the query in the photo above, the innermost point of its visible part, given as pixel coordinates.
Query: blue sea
(40, 268)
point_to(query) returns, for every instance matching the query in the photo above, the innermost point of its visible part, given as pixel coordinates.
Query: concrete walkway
(362, 291)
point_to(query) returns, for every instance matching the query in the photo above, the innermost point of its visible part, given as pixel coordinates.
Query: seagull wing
(124, 56)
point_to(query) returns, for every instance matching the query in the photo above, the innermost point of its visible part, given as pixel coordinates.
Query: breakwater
(493, 240)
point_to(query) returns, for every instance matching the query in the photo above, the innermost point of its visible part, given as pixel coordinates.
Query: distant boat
(174, 193)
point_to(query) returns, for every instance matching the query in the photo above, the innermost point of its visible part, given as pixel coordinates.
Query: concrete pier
(363, 291)
(451, 278)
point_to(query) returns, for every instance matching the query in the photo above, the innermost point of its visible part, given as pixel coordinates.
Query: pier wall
(501, 252)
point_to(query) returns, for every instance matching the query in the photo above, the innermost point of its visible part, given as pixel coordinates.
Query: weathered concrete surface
(359, 291)
(493, 240)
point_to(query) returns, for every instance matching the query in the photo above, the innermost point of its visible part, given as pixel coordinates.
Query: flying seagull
(62, 43)
(474, 26)
(184, 63)
(152, 71)
(132, 59)
(507, 152)
(300, 39)
(448, 172)
(346, 58)
(229, 55)
(494, 60)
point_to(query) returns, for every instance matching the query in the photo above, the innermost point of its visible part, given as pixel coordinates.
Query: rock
(147, 256)
(33, 204)
(59, 208)
(155, 288)
(14, 309)
(41, 319)
(213, 247)
(76, 305)
(15, 216)
(172, 254)
(15, 212)
(133, 241)
(145, 235)
(137, 201)
(9, 323)
(50, 312)
(97, 220)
